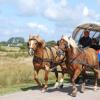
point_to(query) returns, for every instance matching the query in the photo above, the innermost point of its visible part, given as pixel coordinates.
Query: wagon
(94, 30)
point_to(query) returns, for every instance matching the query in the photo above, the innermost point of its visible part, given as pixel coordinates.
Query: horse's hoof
(56, 85)
(82, 88)
(82, 91)
(95, 88)
(61, 86)
(44, 90)
(74, 94)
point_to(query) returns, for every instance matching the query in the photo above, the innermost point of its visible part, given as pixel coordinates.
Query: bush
(23, 47)
(17, 54)
(3, 49)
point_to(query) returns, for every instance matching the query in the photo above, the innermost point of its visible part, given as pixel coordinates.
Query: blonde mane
(70, 41)
(39, 39)
(73, 43)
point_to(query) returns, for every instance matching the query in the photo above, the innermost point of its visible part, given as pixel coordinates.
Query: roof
(87, 26)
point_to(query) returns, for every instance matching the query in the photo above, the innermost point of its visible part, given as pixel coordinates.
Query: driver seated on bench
(85, 41)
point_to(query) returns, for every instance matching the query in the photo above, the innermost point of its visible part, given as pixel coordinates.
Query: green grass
(17, 54)
(25, 87)
(15, 88)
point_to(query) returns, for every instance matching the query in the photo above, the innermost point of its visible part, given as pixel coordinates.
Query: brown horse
(44, 58)
(78, 61)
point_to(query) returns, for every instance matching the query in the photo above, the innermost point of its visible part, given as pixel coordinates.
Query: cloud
(37, 26)
(27, 8)
(8, 32)
(85, 11)
(64, 16)
(98, 1)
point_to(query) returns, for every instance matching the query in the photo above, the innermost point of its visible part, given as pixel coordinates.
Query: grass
(24, 87)
(14, 71)
(9, 49)
(17, 54)
(15, 88)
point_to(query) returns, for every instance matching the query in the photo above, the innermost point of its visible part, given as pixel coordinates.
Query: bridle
(66, 45)
(32, 49)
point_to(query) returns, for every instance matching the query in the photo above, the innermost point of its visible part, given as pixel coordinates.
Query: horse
(78, 61)
(45, 58)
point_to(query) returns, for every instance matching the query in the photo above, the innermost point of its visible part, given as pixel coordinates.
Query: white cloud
(37, 26)
(10, 31)
(55, 10)
(27, 7)
(85, 11)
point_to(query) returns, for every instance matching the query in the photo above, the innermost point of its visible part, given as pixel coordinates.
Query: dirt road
(53, 94)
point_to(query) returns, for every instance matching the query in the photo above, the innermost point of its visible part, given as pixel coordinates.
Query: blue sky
(48, 18)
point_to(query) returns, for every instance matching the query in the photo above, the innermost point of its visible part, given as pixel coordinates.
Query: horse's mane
(39, 39)
(73, 43)
(70, 41)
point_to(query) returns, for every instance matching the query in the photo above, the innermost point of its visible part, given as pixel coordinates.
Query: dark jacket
(85, 41)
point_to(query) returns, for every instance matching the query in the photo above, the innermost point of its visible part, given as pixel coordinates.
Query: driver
(85, 41)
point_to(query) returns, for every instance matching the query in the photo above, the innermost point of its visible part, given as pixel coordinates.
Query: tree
(16, 40)
(50, 43)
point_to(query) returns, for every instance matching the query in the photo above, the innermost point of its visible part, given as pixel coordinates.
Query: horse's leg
(61, 80)
(83, 78)
(74, 77)
(64, 70)
(96, 78)
(56, 74)
(46, 79)
(36, 77)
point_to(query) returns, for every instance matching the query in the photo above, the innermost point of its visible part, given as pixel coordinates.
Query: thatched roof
(87, 26)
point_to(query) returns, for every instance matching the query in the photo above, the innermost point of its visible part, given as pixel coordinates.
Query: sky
(49, 18)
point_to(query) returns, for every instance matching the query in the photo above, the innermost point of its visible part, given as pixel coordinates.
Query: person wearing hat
(85, 41)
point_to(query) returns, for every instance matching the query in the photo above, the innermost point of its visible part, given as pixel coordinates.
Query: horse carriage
(94, 33)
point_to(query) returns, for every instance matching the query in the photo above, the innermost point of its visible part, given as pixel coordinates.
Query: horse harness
(74, 61)
(53, 63)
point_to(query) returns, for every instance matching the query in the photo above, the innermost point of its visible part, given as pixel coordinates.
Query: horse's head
(35, 42)
(63, 43)
(67, 44)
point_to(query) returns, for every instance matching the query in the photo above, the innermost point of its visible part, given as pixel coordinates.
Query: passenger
(94, 44)
(85, 41)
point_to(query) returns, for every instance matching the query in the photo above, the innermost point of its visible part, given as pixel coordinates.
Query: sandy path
(53, 94)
